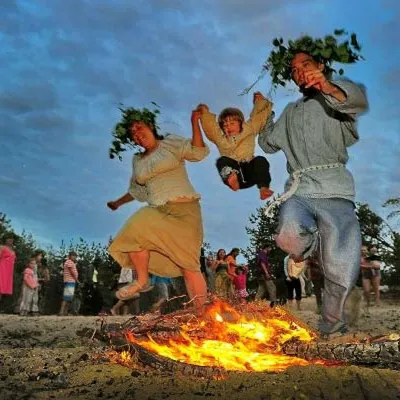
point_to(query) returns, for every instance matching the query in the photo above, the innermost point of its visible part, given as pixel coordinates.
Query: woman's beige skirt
(173, 233)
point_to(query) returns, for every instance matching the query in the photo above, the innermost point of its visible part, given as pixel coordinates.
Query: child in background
(235, 139)
(30, 290)
(240, 282)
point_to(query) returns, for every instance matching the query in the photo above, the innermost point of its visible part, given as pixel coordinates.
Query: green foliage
(393, 203)
(90, 255)
(371, 225)
(207, 247)
(24, 247)
(5, 228)
(338, 47)
(392, 260)
(376, 231)
(121, 136)
(261, 232)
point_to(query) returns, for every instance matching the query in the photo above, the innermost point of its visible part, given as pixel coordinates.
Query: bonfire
(249, 340)
(255, 338)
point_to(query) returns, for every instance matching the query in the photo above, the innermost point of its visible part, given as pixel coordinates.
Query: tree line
(90, 256)
(375, 230)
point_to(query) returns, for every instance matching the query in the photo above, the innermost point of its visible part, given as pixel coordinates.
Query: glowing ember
(123, 358)
(224, 338)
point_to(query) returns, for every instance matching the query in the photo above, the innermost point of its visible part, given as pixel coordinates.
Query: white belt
(296, 175)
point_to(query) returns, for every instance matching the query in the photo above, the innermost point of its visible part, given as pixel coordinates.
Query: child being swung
(235, 139)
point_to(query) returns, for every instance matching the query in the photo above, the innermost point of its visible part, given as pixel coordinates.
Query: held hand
(202, 108)
(196, 114)
(113, 205)
(258, 96)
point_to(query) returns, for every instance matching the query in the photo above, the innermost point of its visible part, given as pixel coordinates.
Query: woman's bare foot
(265, 193)
(233, 181)
(132, 291)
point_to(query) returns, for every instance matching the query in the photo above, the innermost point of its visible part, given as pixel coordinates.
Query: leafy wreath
(339, 47)
(121, 135)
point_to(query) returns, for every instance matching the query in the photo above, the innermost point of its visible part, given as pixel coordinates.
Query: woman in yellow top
(293, 271)
(165, 237)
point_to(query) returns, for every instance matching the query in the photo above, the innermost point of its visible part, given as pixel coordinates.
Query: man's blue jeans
(329, 226)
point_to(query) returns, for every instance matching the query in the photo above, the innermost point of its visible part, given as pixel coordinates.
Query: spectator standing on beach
(70, 282)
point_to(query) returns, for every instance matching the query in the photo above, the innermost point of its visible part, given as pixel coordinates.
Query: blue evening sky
(67, 64)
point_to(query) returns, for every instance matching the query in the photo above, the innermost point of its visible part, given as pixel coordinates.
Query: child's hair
(230, 112)
(239, 269)
(221, 267)
(31, 259)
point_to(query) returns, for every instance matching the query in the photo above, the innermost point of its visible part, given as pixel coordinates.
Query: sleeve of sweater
(356, 100)
(272, 133)
(355, 103)
(261, 112)
(211, 128)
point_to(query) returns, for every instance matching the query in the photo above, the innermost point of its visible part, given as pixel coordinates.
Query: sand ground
(43, 358)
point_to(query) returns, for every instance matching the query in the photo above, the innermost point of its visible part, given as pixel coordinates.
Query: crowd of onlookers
(302, 278)
(226, 279)
(35, 277)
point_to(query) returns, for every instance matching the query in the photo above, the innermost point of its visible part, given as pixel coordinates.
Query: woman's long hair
(219, 256)
(234, 250)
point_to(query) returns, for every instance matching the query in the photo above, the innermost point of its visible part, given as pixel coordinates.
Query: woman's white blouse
(161, 177)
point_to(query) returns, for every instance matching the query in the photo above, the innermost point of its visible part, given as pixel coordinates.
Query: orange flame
(123, 358)
(225, 338)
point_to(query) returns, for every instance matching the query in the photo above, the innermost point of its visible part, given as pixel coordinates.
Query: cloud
(67, 66)
(28, 98)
